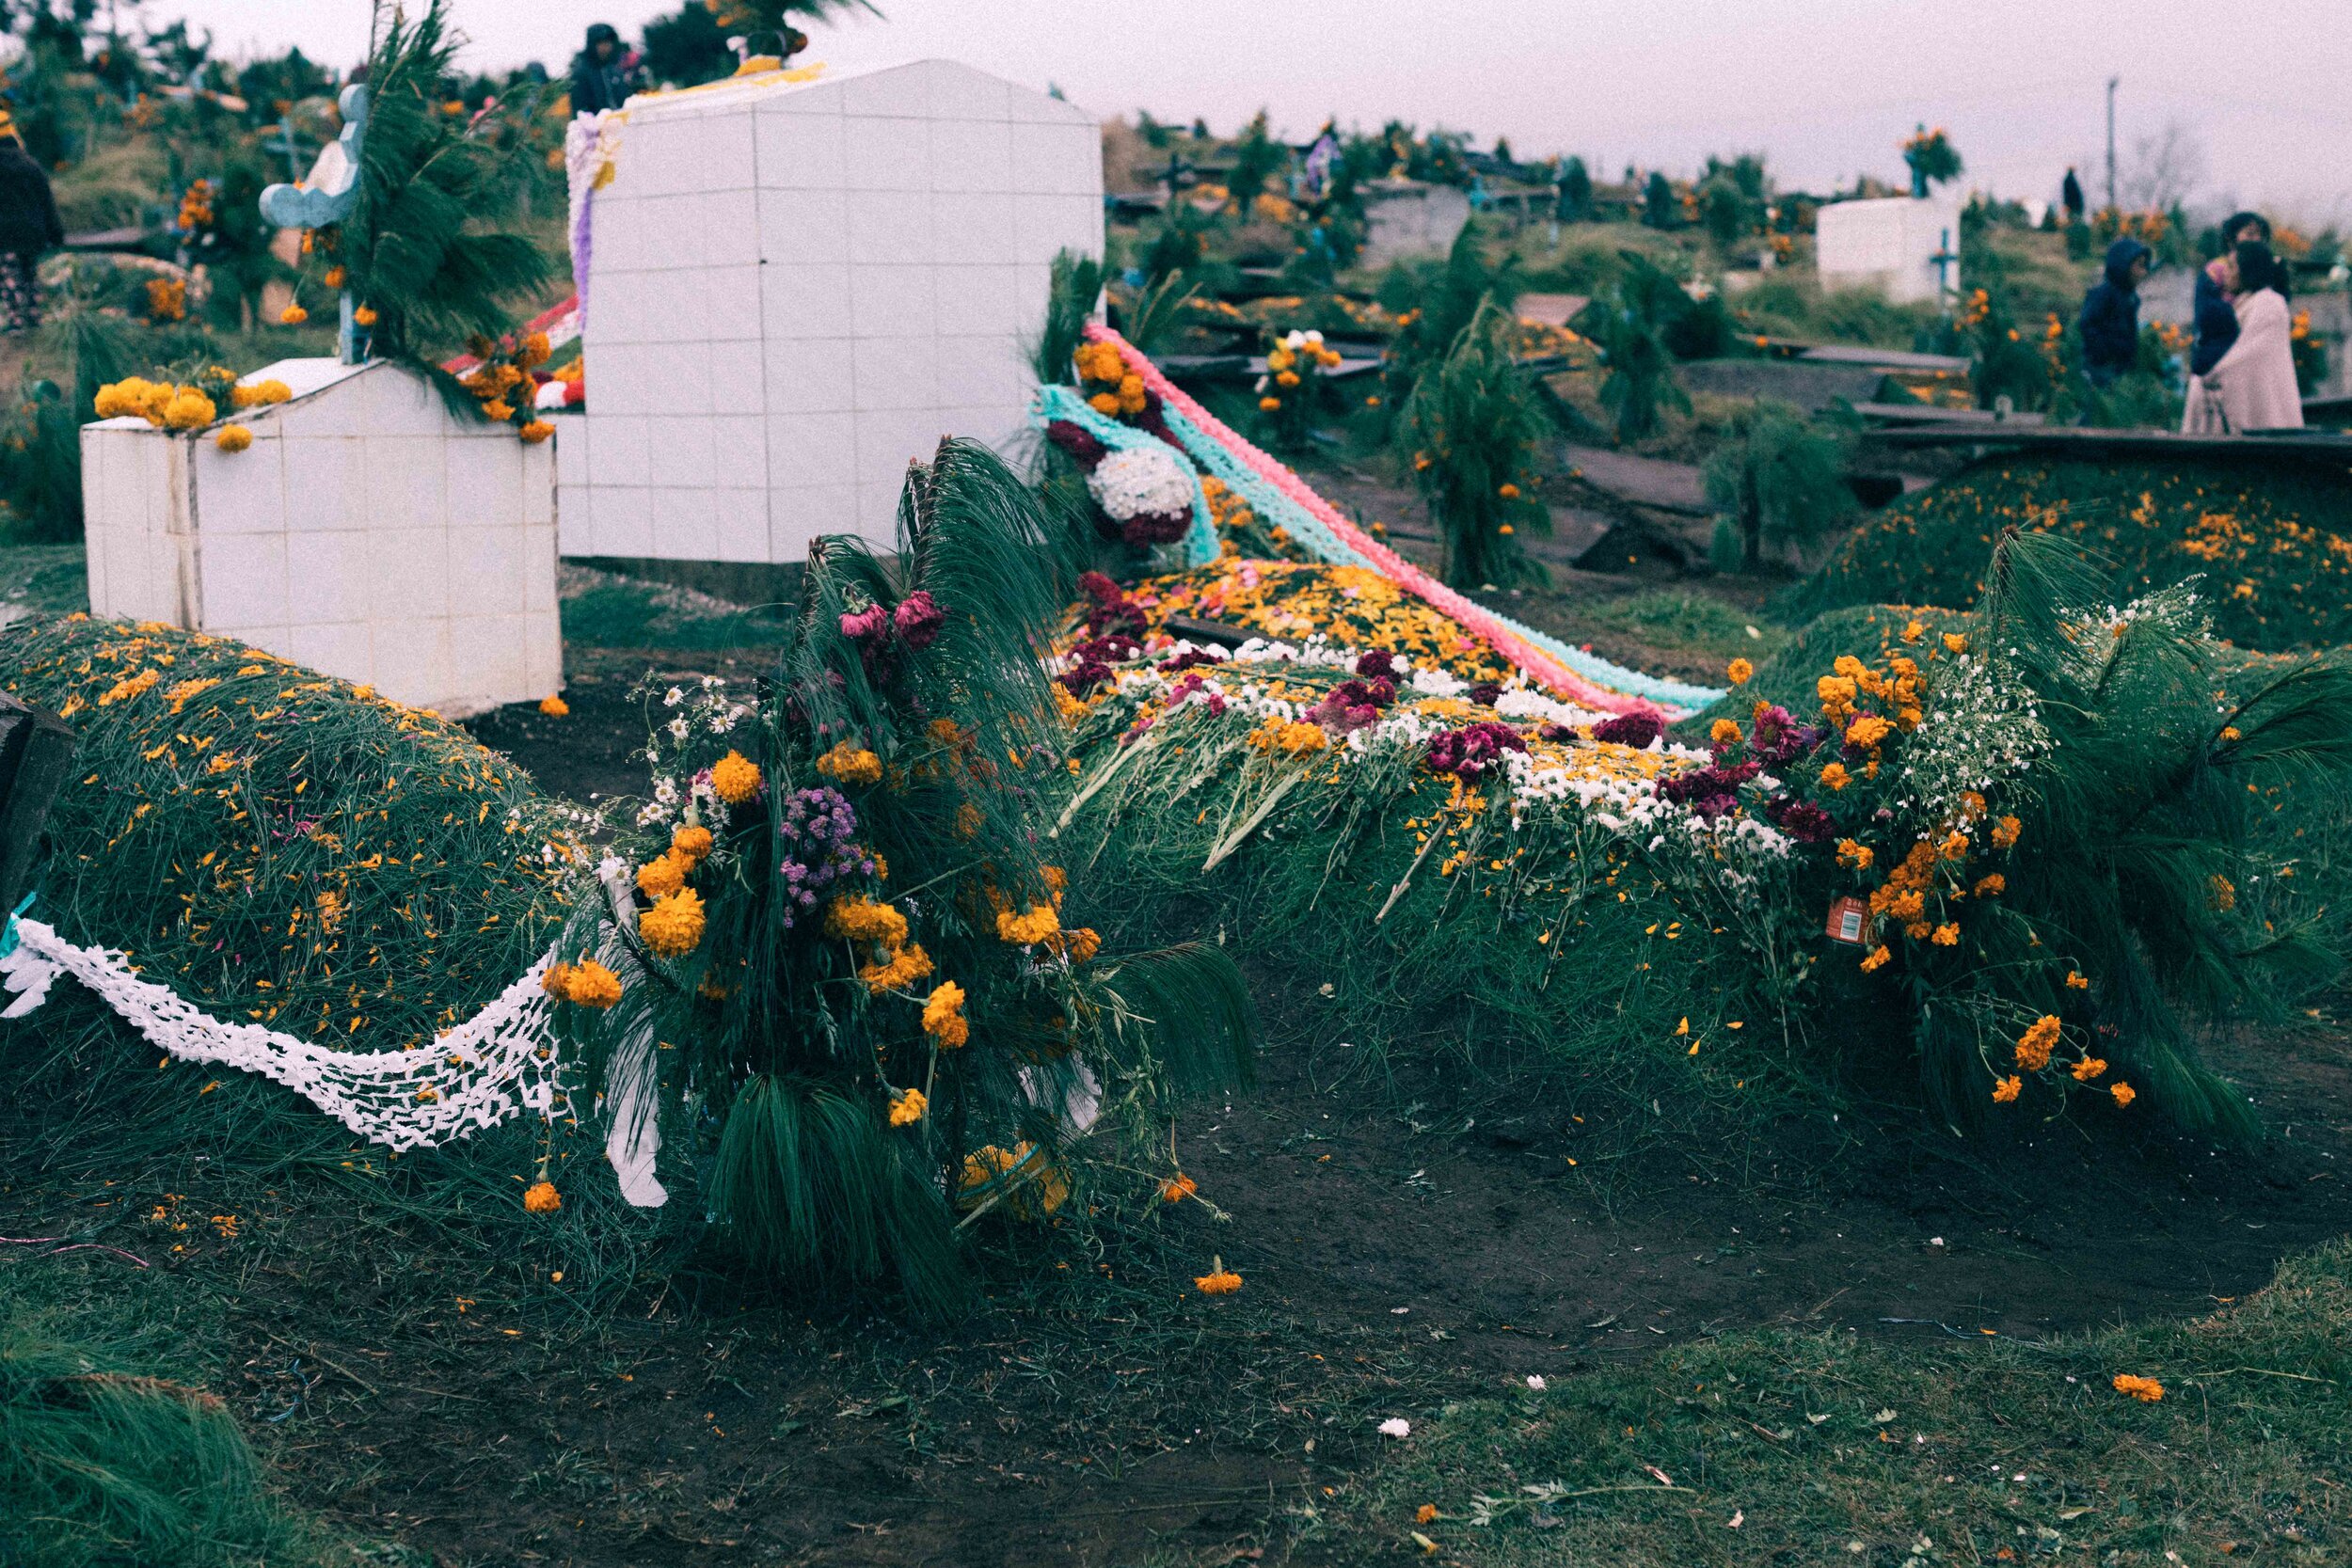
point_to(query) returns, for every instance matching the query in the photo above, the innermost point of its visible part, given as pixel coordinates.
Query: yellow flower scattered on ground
(1177, 1188)
(554, 706)
(541, 1197)
(1219, 1281)
(2145, 1390)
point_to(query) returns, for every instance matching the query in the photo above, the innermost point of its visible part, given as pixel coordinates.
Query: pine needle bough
(853, 965)
(1474, 430)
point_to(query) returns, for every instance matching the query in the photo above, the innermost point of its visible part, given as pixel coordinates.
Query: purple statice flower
(818, 827)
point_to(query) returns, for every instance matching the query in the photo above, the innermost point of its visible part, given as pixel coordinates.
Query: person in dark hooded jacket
(2109, 322)
(600, 72)
(28, 226)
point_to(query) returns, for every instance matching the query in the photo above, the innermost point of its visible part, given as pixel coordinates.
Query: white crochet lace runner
(495, 1065)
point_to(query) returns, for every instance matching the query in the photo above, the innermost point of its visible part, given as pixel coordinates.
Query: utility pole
(2111, 84)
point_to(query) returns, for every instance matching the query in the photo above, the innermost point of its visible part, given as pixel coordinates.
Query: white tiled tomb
(795, 286)
(1891, 245)
(367, 533)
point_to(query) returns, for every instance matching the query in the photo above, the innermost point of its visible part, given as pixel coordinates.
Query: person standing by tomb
(28, 226)
(2216, 321)
(2071, 198)
(601, 74)
(2253, 386)
(2109, 322)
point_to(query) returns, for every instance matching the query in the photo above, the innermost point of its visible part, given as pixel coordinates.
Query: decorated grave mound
(2013, 846)
(2272, 543)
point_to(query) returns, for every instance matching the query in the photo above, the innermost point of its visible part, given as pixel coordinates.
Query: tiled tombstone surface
(1890, 245)
(796, 287)
(367, 533)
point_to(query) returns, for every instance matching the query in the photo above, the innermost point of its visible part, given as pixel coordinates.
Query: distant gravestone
(796, 281)
(36, 750)
(1903, 249)
(1410, 217)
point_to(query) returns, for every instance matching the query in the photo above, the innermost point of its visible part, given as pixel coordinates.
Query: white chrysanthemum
(1142, 481)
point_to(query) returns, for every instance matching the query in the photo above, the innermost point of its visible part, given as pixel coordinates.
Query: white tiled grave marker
(367, 533)
(1890, 245)
(797, 286)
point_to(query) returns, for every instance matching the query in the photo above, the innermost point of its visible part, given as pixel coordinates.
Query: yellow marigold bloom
(1506, 530)
(535, 349)
(1739, 670)
(130, 686)
(663, 875)
(294, 315)
(907, 1109)
(1508, 492)
(1908, 904)
(2123, 1094)
(1836, 692)
(1836, 776)
(861, 919)
(535, 431)
(2076, 981)
(906, 966)
(1875, 958)
(1290, 738)
(1915, 631)
(498, 410)
(1269, 405)
(589, 984)
(1851, 669)
(2230, 732)
(234, 438)
(942, 1016)
(1868, 730)
(541, 1197)
(554, 706)
(1918, 930)
(556, 980)
(2145, 1390)
(692, 840)
(674, 926)
(1081, 943)
(1070, 707)
(1287, 379)
(1219, 1281)
(363, 315)
(333, 276)
(1177, 1188)
(1106, 404)
(1947, 934)
(2087, 1068)
(1724, 732)
(2005, 832)
(735, 777)
(1992, 886)
(850, 764)
(1854, 855)
(188, 409)
(1041, 1188)
(1954, 643)
(1953, 847)
(1040, 923)
(2006, 1089)
(2033, 1046)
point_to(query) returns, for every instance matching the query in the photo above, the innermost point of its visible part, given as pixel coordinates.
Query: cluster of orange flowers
(1111, 389)
(502, 384)
(195, 206)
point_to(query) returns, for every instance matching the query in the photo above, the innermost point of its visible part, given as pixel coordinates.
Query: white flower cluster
(707, 708)
(1142, 481)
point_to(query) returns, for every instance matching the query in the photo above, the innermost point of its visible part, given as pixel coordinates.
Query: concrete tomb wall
(1889, 245)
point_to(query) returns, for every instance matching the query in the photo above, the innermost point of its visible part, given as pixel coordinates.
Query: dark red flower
(1470, 750)
(1155, 527)
(1485, 692)
(1084, 449)
(1637, 728)
(918, 618)
(1379, 662)
(1801, 821)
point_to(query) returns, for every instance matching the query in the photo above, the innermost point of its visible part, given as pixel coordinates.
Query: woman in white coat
(2253, 386)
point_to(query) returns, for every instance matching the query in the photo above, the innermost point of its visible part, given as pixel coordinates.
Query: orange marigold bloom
(663, 875)
(2034, 1045)
(554, 706)
(851, 763)
(1425, 1514)
(907, 1109)
(541, 1197)
(2145, 1390)
(556, 980)
(1954, 642)
(1039, 923)
(1178, 1188)
(589, 984)
(1725, 732)
(1853, 855)
(1915, 631)
(735, 778)
(1868, 730)
(692, 841)
(2125, 1094)
(1836, 776)
(942, 1016)
(1739, 670)
(1947, 934)
(2076, 981)
(1991, 886)
(1876, 959)
(2006, 831)
(2087, 1068)
(2006, 1089)
(1219, 1281)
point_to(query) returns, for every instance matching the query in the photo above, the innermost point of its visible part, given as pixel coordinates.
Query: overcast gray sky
(1825, 88)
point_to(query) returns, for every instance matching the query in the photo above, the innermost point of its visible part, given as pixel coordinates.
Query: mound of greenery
(2274, 542)
(1821, 1447)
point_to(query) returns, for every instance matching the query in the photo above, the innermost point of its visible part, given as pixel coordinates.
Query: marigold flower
(1954, 643)
(735, 778)
(1508, 492)
(554, 706)
(1425, 1514)
(541, 1197)
(1918, 930)
(2087, 1068)
(2125, 1094)
(851, 763)
(1854, 856)
(589, 984)
(1876, 959)
(2078, 981)
(294, 315)
(2230, 732)
(906, 966)
(1043, 1188)
(1868, 730)
(1106, 404)
(1947, 934)
(2145, 1390)
(556, 980)
(2033, 1046)
(1836, 776)
(333, 276)
(907, 1109)
(2006, 1089)
(188, 409)
(535, 431)
(663, 875)
(942, 1016)
(2006, 831)
(1178, 1188)
(1726, 732)
(862, 919)
(1915, 631)
(1991, 886)
(234, 438)
(1078, 945)
(1506, 530)
(2220, 892)
(1040, 923)
(1219, 1281)
(363, 316)
(692, 840)
(674, 926)
(498, 410)
(1268, 404)
(1739, 670)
